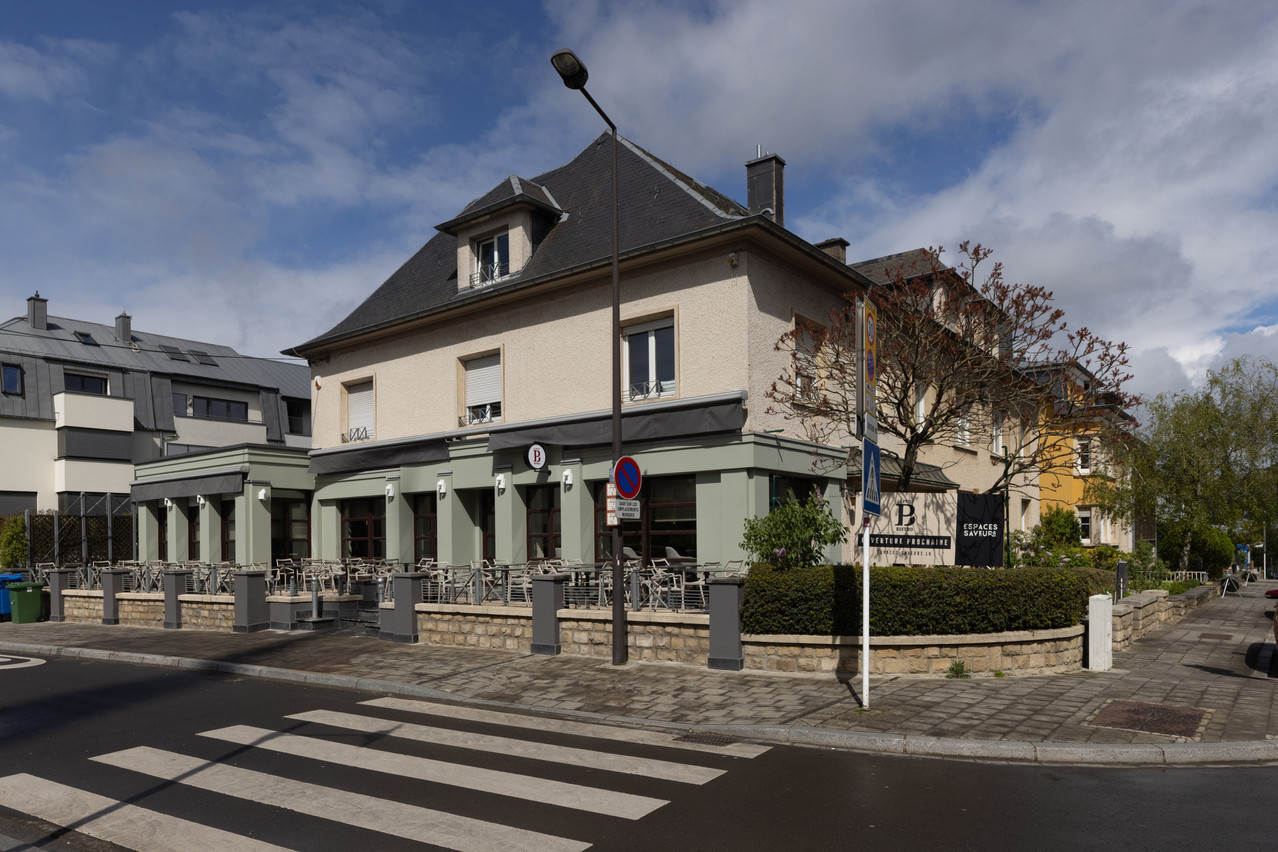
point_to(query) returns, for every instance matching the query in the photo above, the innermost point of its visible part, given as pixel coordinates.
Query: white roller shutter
(483, 380)
(360, 416)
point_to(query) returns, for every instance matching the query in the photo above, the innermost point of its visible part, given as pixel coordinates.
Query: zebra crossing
(405, 742)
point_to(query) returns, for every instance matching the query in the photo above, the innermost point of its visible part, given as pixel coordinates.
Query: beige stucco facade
(730, 304)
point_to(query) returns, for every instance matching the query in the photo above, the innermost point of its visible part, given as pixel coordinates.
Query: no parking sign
(627, 478)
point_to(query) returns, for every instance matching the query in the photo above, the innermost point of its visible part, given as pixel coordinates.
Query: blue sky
(246, 173)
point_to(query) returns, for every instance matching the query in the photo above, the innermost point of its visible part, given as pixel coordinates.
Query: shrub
(906, 601)
(1059, 526)
(1099, 581)
(13, 545)
(794, 534)
(1106, 556)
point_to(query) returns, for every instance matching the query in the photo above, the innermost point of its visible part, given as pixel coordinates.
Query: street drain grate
(1222, 636)
(1164, 719)
(708, 739)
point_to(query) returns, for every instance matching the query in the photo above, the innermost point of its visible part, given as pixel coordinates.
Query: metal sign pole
(865, 611)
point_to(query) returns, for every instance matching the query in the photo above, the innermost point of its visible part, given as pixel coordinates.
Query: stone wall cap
(946, 639)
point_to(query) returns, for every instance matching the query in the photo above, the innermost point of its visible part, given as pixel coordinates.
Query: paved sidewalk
(1204, 683)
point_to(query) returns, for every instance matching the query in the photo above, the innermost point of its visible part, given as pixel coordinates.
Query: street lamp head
(572, 69)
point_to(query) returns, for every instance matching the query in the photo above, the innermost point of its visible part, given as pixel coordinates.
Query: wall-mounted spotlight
(390, 491)
(501, 483)
(441, 488)
(567, 478)
(168, 504)
(199, 500)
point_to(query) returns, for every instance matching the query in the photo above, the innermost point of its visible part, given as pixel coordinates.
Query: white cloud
(1119, 154)
(62, 67)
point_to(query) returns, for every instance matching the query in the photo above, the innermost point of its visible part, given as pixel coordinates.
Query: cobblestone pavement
(1213, 667)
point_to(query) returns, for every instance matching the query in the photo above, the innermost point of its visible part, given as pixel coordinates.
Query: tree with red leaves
(965, 358)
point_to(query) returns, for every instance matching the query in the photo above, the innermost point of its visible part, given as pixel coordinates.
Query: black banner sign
(979, 538)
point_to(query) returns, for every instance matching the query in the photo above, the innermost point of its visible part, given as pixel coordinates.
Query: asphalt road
(136, 748)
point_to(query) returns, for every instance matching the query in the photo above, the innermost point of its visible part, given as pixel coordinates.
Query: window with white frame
(483, 390)
(361, 412)
(1084, 455)
(996, 435)
(920, 405)
(650, 359)
(963, 428)
(492, 259)
(805, 363)
(1085, 524)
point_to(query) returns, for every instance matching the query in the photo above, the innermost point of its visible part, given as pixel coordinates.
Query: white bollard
(1100, 633)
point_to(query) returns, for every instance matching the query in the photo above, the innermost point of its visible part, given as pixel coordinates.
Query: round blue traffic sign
(627, 478)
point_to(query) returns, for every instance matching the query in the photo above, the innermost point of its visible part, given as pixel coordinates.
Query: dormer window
(492, 259)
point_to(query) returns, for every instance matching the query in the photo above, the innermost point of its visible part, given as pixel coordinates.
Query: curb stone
(1262, 752)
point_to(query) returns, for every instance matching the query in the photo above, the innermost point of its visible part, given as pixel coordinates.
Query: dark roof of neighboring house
(880, 270)
(59, 342)
(658, 203)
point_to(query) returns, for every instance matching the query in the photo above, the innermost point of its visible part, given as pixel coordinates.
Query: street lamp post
(574, 74)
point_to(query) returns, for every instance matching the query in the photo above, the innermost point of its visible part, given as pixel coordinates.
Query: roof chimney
(124, 328)
(37, 312)
(765, 187)
(836, 248)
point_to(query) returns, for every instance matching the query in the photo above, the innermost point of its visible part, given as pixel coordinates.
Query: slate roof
(59, 343)
(881, 269)
(658, 203)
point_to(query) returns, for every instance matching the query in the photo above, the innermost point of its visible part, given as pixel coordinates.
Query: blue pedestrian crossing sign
(870, 464)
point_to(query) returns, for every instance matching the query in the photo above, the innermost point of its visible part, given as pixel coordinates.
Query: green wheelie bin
(29, 602)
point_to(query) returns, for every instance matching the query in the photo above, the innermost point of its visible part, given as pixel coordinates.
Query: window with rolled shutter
(483, 389)
(360, 420)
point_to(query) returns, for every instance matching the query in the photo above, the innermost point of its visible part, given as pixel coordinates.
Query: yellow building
(1077, 456)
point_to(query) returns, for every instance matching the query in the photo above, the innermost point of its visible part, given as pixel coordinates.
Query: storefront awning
(207, 483)
(375, 456)
(637, 426)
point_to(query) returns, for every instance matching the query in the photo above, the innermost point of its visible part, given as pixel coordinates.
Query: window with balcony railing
(483, 390)
(492, 260)
(489, 412)
(650, 359)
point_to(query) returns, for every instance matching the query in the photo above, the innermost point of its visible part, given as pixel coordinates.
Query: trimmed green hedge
(826, 600)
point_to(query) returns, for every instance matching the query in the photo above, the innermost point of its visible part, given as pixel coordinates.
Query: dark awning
(925, 475)
(375, 456)
(636, 426)
(221, 483)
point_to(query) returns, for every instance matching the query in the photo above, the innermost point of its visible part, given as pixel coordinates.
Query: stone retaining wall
(1019, 652)
(1135, 616)
(82, 606)
(139, 609)
(474, 626)
(654, 636)
(685, 637)
(207, 612)
(146, 609)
